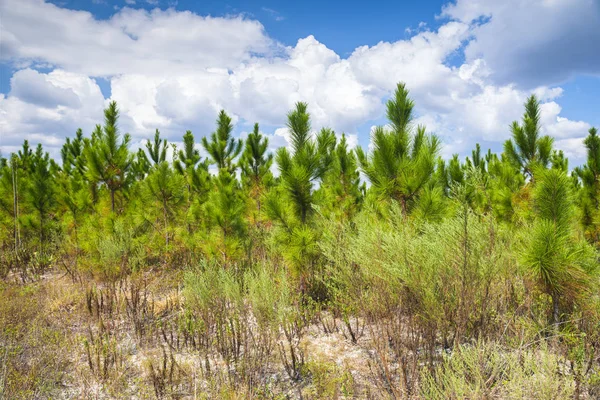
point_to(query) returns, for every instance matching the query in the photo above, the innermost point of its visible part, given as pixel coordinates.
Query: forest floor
(64, 338)
(54, 348)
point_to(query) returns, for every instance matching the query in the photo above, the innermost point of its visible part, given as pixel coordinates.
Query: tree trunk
(15, 209)
(112, 200)
(402, 200)
(555, 312)
(166, 222)
(42, 248)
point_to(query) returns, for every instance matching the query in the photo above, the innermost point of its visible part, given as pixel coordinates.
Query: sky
(173, 64)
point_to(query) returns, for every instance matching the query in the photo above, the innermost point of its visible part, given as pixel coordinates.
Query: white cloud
(45, 108)
(39, 89)
(175, 70)
(135, 41)
(559, 127)
(532, 42)
(574, 150)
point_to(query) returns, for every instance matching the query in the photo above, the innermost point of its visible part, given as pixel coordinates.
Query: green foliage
(109, 160)
(527, 149)
(72, 155)
(255, 162)
(226, 206)
(307, 162)
(341, 190)
(589, 175)
(164, 191)
(157, 150)
(401, 162)
(195, 173)
(256, 165)
(554, 256)
(42, 194)
(223, 148)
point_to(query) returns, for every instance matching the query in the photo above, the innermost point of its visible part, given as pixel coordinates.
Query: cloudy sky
(173, 65)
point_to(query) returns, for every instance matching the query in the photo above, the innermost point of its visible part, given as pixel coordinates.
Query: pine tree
(74, 194)
(73, 160)
(477, 160)
(226, 206)
(25, 156)
(188, 164)
(223, 148)
(197, 179)
(140, 166)
(589, 174)
(165, 191)
(256, 165)
(11, 197)
(41, 193)
(505, 183)
(527, 149)
(189, 156)
(402, 160)
(308, 162)
(157, 150)
(553, 255)
(109, 160)
(341, 185)
(291, 204)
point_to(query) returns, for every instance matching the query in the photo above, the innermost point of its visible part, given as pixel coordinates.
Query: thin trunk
(41, 233)
(461, 312)
(76, 231)
(555, 312)
(166, 222)
(189, 205)
(112, 200)
(15, 208)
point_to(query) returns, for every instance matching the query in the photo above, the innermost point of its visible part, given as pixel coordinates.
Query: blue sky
(173, 64)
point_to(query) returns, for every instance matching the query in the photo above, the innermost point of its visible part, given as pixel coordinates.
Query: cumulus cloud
(44, 108)
(175, 70)
(39, 89)
(132, 41)
(532, 42)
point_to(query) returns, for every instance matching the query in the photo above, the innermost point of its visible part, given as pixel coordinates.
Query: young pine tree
(165, 191)
(226, 203)
(25, 156)
(562, 266)
(74, 195)
(226, 206)
(11, 198)
(341, 189)
(157, 149)
(256, 165)
(527, 149)
(222, 147)
(306, 164)
(42, 194)
(108, 156)
(187, 163)
(73, 160)
(195, 173)
(589, 174)
(291, 204)
(402, 160)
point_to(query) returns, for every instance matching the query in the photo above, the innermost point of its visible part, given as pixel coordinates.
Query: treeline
(430, 254)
